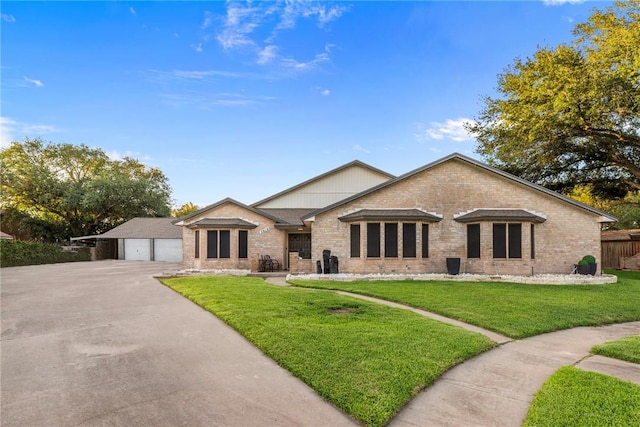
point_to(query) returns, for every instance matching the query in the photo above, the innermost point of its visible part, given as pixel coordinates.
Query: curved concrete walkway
(496, 388)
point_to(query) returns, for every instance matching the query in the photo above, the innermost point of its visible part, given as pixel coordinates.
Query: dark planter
(584, 269)
(593, 268)
(453, 266)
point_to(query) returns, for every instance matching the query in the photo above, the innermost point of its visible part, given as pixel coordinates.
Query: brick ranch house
(373, 222)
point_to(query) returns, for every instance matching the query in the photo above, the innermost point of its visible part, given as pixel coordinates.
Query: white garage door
(137, 249)
(169, 250)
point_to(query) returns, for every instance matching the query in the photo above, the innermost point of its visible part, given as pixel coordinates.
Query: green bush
(14, 253)
(583, 262)
(589, 258)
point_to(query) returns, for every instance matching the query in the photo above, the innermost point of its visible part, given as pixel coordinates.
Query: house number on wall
(264, 230)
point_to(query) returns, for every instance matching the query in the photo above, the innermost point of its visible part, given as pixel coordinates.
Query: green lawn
(572, 397)
(367, 359)
(624, 349)
(515, 310)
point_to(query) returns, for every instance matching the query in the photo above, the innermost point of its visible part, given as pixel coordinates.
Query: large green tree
(56, 191)
(570, 115)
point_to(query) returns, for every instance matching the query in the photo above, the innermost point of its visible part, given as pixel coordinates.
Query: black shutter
(515, 240)
(373, 239)
(355, 240)
(533, 242)
(473, 241)
(425, 240)
(409, 240)
(225, 244)
(197, 244)
(391, 240)
(212, 244)
(243, 244)
(499, 240)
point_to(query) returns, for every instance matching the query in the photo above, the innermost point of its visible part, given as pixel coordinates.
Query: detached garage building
(147, 239)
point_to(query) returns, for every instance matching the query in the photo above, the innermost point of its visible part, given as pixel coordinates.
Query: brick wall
(265, 239)
(448, 189)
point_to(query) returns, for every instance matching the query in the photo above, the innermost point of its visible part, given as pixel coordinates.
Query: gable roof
(457, 156)
(322, 176)
(180, 221)
(144, 228)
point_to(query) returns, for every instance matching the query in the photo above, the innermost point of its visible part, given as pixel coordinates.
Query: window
(243, 244)
(197, 244)
(373, 239)
(355, 240)
(218, 244)
(515, 240)
(225, 244)
(533, 242)
(499, 240)
(391, 240)
(473, 241)
(507, 240)
(425, 240)
(212, 244)
(409, 240)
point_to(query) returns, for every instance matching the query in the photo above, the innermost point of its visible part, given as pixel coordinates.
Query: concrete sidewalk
(496, 388)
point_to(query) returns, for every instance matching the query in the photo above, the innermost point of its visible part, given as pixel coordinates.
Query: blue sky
(246, 99)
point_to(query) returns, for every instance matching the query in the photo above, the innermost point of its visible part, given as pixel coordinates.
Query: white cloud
(243, 24)
(560, 2)
(7, 128)
(325, 92)
(450, 129)
(8, 18)
(197, 47)
(12, 130)
(358, 147)
(208, 20)
(208, 100)
(115, 155)
(37, 83)
(132, 11)
(268, 54)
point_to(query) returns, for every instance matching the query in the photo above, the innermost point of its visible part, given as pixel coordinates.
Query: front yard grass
(572, 397)
(515, 310)
(624, 349)
(367, 359)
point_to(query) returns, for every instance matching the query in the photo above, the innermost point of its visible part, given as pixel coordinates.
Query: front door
(300, 242)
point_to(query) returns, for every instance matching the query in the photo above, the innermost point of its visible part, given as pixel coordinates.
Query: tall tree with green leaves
(570, 115)
(184, 210)
(56, 191)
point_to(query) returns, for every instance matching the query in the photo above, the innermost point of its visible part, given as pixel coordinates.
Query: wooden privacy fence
(614, 252)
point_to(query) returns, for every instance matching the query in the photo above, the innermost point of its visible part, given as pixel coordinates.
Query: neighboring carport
(145, 239)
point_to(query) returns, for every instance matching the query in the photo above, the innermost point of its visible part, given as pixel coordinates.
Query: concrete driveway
(103, 343)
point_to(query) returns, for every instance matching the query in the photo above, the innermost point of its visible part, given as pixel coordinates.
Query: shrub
(583, 262)
(590, 259)
(14, 253)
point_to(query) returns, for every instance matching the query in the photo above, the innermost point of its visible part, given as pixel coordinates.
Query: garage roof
(144, 228)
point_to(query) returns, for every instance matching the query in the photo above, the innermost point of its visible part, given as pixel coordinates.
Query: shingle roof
(144, 228)
(620, 235)
(460, 157)
(500, 215)
(288, 216)
(390, 214)
(222, 222)
(180, 221)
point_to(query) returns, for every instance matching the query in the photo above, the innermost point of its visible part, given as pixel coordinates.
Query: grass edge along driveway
(367, 359)
(627, 349)
(513, 309)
